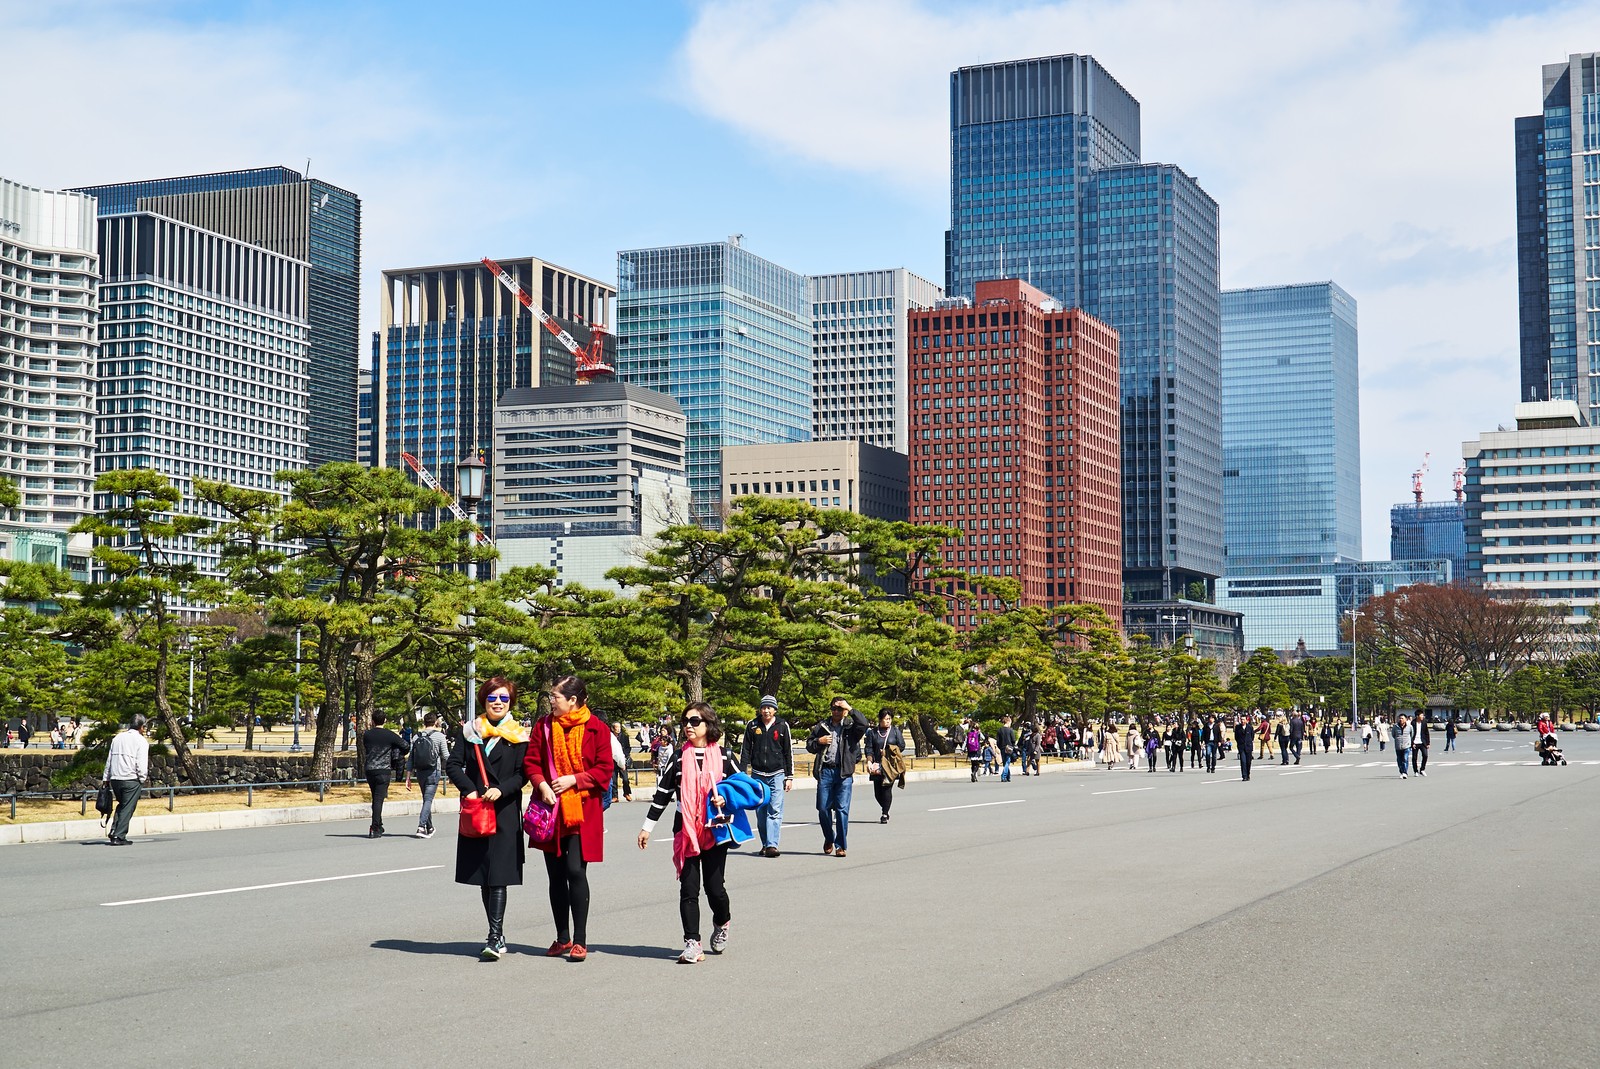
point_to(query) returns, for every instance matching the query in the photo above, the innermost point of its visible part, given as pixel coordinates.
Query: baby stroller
(1549, 751)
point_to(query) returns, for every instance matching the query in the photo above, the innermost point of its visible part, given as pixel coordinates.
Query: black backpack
(424, 755)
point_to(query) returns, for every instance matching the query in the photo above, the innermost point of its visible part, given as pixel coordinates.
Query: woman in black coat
(879, 739)
(493, 863)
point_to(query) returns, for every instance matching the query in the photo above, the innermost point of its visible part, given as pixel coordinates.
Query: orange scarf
(566, 736)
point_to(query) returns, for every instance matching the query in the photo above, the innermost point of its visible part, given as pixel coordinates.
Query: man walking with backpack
(429, 750)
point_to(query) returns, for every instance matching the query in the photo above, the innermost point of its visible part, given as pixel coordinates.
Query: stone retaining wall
(22, 770)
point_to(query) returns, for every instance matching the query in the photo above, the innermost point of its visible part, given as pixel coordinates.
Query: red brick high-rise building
(1015, 439)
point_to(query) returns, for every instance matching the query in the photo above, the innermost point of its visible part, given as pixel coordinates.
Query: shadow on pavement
(660, 953)
(411, 946)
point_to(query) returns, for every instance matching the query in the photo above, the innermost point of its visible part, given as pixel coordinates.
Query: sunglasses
(498, 698)
(693, 721)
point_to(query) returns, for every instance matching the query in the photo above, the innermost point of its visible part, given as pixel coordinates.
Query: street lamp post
(1172, 622)
(294, 747)
(1354, 646)
(469, 490)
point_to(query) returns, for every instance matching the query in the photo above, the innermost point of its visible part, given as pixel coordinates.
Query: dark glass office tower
(282, 211)
(1558, 237)
(1046, 185)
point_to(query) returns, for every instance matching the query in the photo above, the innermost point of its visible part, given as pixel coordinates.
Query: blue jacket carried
(740, 792)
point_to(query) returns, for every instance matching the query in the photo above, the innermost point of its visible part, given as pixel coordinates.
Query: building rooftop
(593, 393)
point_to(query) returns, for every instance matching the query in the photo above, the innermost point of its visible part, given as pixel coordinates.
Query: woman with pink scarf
(696, 854)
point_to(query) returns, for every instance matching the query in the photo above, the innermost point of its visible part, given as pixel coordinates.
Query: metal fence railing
(172, 790)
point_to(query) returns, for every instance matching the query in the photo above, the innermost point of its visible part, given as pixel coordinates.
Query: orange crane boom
(433, 484)
(591, 362)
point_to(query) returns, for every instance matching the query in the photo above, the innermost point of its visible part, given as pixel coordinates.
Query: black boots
(494, 906)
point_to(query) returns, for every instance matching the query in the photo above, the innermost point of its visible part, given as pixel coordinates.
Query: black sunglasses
(692, 721)
(498, 698)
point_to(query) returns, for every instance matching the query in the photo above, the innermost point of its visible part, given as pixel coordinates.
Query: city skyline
(1428, 247)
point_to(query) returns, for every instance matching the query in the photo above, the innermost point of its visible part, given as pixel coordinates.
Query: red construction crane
(433, 484)
(1461, 484)
(591, 362)
(1416, 478)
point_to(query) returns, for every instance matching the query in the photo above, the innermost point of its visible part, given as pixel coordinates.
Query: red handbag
(477, 814)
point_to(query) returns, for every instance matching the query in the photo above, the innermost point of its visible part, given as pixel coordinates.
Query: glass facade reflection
(1429, 529)
(726, 333)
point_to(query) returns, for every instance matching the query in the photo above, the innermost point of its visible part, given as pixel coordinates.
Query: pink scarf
(694, 783)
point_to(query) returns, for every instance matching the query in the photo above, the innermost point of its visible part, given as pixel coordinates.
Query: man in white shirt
(127, 768)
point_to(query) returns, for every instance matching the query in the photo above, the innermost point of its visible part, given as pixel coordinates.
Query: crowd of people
(63, 736)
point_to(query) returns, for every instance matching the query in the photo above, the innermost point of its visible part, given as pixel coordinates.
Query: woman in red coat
(569, 764)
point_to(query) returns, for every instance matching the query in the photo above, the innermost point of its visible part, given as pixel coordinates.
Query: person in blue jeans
(768, 754)
(429, 752)
(1008, 749)
(1401, 733)
(837, 744)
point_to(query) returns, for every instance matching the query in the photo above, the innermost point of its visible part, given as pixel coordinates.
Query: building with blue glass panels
(726, 333)
(1419, 530)
(1047, 186)
(1558, 237)
(454, 340)
(283, 211)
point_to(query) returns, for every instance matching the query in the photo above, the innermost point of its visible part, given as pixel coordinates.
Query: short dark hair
(429, 719)
(713, 725)
(378, 717)
(572, 687)
(494, 683)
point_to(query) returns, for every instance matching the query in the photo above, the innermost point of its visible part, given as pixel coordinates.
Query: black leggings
(883, 791)
(712, 865)
(569, 891)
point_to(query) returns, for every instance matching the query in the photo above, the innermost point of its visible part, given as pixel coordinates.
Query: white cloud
(1366, 142)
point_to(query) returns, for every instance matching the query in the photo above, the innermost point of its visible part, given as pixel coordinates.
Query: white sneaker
(691, 952)
(719, 939)
(1402, 775)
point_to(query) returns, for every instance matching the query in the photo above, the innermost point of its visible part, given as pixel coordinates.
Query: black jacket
(1244, 737)
(876, 744)
(382, 748)
(851, 729)
(1007, 740)
(497, 860)
(768, 749)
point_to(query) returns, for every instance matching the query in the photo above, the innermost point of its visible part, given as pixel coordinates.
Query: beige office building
(844, 475)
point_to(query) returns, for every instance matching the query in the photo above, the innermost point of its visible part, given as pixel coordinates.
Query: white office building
(48, 309)
(859, 354)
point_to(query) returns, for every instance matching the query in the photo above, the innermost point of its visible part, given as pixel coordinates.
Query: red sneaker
(557, 949)
(579, 952)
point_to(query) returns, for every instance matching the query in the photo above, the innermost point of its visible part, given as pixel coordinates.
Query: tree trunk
(772, 678)
(930, 730)
(329, 665)
(363, 681)
(923, 748)
(250, 724)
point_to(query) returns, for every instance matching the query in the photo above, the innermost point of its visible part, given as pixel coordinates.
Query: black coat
(497, 860)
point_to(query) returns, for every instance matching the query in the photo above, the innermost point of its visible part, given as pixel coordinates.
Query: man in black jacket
(1008, 749)
(1243, 741)
(837, 743)
(768, 755)
(1211, 738)
(382, 748)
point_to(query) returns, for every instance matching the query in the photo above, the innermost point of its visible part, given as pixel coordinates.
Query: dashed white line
(270, 886)
(1127, 790)
(980, 805)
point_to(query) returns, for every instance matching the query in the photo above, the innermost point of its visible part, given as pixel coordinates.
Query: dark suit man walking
(1243, 738)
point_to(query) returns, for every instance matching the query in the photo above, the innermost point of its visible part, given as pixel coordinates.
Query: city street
(1326, 914)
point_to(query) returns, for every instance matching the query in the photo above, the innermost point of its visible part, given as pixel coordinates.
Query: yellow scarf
(507, 729)
(566, 732)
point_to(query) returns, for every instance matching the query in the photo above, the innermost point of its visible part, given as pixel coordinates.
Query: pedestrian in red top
(570, 766)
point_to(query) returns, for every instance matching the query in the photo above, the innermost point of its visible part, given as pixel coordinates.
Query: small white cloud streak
(1346, 140)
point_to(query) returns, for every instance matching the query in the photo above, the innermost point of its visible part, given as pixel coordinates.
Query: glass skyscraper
(1046, 186)
(1419, 530)
(726, 333)
(283, 211)
(1558, 237)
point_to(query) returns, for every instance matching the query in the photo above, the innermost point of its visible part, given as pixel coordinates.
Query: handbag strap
(477, 750)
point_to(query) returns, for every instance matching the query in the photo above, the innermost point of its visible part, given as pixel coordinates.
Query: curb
(232, 819)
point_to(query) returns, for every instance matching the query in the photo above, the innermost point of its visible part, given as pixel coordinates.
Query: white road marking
(270, 886)
(980, 805)
(1129, 790)
(1298, 772)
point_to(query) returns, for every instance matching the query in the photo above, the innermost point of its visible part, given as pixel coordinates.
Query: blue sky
(1368, 142)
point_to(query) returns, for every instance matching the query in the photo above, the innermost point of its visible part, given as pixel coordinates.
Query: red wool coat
(593, 780)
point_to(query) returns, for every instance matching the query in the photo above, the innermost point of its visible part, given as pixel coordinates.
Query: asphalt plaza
(1321, 914)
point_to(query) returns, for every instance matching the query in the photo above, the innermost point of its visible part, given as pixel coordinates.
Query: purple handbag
(539, 821)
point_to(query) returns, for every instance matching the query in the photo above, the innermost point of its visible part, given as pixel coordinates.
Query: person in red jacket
(570, 766)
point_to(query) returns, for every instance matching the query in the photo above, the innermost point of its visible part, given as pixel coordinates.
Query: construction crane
(1416, 478)
(433, 484)
(1461, 483)
(591, 362)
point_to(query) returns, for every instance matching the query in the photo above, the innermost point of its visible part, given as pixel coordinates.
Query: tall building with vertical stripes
(308, 219)
(49, 268)
(454, 340)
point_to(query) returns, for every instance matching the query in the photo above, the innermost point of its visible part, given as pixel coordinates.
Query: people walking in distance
(1108, 746)
(1028, 747)
(489, 761)
(885, 744)
(381, 747)
(837, 744)
(1196, 736)
(1007, 740)
(974, 746)
(991, 767)
(619, 764)
(1401, 734)
(1450, 733)
(1421, 738)
(1327, 735)
(1366, 736)
(1244, 737)
(127, 769)
(1380, 730)
(1135, 745)
(570, 766)
(1264, 730)
(696, 855)
(768, 755)
(1211, 736)
(1280, 734)
(1152, 746)
(1297, 734)
(430, 750)
(1175, 744)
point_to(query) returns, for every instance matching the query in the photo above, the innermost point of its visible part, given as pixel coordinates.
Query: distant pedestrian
(1175, 748)
(1244, 737)
(837, 744)
(382, 748)
(1028, 747)
(1381, 730)
(24, 732)
(1135, 745)
(974, 747)
(1007, 739)
(619, 758)
(1338, 735)
(1327, 735)
(885, 744)
(696, 855)
(1108, 746)
(1401, 733)
(1211, 734)
(570, 765)
(127, 769)
(1366, 735)
(490, 762)
(1280, 733)
(1421, 738)
(1450, 733)
(430, 751)
(768, 755)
